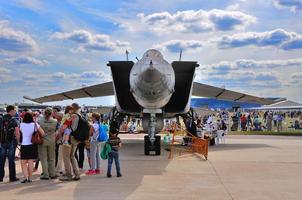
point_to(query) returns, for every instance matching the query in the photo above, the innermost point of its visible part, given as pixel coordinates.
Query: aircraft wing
(204, 90)
(103, 89)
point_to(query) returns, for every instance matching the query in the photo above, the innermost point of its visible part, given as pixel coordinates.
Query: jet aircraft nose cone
(151, 75)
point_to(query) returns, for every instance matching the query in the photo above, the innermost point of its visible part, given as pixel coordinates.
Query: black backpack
(82, 132)
(7, 133)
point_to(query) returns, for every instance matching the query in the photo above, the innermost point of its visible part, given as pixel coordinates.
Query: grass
(288, 133)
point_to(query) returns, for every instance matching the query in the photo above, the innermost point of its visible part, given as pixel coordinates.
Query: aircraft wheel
(147, 145)
(157, 145)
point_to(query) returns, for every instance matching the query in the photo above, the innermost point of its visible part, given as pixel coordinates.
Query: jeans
(113, 155)
(8, 150)
(95, 150)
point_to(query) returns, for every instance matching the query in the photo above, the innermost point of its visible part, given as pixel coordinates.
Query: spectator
(59, 150)
(58, 115)
(80, 155)
(69, 151)
(29, 151)
(115, 143)
(243, 121)
(132, 126)
(9, 135)
(279, 122)
(199, 128)
(269, 121)
(95, 146)
(48, 148)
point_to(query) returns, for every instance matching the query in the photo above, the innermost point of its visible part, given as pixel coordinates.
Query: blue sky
(250, 46)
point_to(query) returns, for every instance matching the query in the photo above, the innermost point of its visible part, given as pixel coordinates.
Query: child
(66, 122)
(116, 144)
(95, 146)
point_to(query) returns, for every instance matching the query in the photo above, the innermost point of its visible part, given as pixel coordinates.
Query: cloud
(177, 45)
(296, 79)
(241, 64)
(293, 5)
(230, 20)
(4, 70)
(233, 7)
(27, 60)
(58, 75)
(92, 42)
(5, 75)
(15, 41)
(34, 5)
(278, 38)
(196, 21)
(251, 74)
(297, 75)
(84, 76)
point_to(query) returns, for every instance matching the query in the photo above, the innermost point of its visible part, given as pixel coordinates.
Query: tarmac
(246, 167)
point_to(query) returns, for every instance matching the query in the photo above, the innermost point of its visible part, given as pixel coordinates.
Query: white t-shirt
(27, 130)
(95, 131)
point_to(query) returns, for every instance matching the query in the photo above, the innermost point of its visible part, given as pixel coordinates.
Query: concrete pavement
(246, 167)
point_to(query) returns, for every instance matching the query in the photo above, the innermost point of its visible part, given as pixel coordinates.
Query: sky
(51, 46)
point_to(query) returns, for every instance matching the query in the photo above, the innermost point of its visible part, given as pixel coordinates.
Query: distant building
(31, 106)
(220, 104)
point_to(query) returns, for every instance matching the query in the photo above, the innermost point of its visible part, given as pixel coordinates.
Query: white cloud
(233, 7)
(297, 75)
(5, 75)
(196, 21)
(269, 75)
(27, 60)
(293, 5)
(177, 45)
(84, 76)
(278, 38)
(4, 70)
(251, 64)
(34, 5)
(88, 41)
(59, 75)
(16, 41)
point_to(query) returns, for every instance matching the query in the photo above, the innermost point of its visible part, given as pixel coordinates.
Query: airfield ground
(246, 167)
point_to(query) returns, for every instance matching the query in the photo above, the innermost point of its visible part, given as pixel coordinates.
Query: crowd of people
(266, 121)
(57, 140)
(215, 126)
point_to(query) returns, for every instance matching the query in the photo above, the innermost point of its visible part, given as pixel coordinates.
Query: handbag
(36, 137)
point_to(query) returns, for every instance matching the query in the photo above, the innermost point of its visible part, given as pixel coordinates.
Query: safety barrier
(193, 144)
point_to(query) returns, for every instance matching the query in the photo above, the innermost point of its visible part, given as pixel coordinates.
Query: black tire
(157, 145)
(146, 145)
(212, 142)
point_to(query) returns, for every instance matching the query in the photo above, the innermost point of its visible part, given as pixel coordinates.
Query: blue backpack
(103, 137)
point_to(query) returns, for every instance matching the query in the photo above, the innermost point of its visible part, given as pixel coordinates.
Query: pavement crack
(220, 180)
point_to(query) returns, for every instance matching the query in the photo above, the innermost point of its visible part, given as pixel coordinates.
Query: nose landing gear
(152, 141)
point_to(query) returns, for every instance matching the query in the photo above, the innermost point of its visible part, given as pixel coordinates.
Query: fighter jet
(153, 89)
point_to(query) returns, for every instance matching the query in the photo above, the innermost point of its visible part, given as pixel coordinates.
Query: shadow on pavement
(134, 166)
(225, 147)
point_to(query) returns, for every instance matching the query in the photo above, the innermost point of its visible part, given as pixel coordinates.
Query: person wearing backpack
(80, 133)
(95, 145)
(9, 136)
(115, 142)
